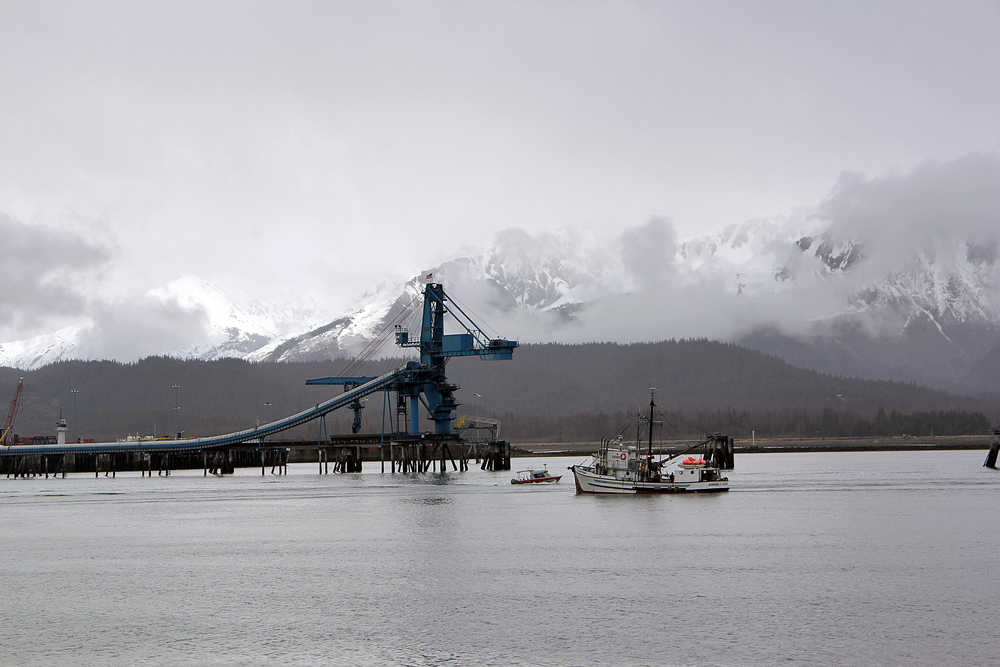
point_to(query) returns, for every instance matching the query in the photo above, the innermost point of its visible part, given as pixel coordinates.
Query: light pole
(76, 424)
(267, 413)
(177, 406)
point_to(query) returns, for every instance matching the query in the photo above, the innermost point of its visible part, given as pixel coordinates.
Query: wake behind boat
(621, 468)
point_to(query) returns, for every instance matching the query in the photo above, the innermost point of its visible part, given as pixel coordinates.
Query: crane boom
(7, 436)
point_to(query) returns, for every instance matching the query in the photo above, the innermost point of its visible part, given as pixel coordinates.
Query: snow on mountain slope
(548, 271)
(944, 294)
(544, 282)
(44, 349)
(952, 280)
(235, 329)
(345, 336)
(543, 276)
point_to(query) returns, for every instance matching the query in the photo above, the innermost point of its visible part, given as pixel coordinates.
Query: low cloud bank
(138, 327)
(929, 234)
(41, 272)
(52, 281)
(919, 239)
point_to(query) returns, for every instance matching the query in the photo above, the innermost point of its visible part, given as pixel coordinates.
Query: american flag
(429, 276)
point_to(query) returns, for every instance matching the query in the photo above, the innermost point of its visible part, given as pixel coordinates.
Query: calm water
(812, 558)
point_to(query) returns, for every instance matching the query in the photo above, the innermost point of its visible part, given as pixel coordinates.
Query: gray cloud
(43, 271)
(54, 277)
(648, 251)
(922, 211)
(928, 230)
(353, 140)
(134, 328)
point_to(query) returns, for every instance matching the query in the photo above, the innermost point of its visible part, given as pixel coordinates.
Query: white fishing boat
(622, 468)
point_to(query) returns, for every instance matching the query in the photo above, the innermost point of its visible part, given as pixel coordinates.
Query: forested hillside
(546, 392)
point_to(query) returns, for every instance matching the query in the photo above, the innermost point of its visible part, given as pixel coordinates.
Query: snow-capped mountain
(835, 304)
(345, 336)
(917, 311)
(519, 274)
(953, 281)
(890, 277)
(46, 348)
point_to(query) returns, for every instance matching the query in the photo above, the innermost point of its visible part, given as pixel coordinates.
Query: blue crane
(427, 381)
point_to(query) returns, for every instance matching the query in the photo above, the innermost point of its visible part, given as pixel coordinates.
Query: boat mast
(649, 447)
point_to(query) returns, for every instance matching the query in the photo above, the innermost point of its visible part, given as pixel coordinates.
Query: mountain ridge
(791, 289)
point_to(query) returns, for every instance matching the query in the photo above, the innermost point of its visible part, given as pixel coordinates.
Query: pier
(404, 456)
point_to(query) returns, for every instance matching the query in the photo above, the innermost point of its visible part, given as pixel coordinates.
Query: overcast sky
(315, 148)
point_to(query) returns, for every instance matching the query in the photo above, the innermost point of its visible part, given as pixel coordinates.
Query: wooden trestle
(410, 456)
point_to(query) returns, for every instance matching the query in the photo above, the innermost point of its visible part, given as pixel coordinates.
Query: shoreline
(780, 445)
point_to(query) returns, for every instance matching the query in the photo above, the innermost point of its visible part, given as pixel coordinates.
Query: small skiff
(535, 477)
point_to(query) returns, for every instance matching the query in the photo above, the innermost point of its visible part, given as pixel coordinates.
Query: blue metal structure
(436, 348)
(428, 384)
(349, 382)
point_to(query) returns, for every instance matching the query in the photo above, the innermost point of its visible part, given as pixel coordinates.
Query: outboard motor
(991, 458)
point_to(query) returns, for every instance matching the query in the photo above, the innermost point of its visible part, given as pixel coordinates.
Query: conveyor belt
(208, 442)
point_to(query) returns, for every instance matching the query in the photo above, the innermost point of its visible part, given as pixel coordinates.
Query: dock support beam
(414, 415)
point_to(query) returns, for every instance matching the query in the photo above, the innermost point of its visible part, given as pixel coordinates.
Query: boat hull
(588, 481)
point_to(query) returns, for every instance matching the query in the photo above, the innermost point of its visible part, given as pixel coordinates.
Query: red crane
(7, 437)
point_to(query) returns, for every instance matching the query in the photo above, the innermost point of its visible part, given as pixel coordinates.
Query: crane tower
(426, 381)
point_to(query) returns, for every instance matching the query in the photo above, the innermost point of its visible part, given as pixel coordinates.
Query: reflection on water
(811, 558)
(431, 501)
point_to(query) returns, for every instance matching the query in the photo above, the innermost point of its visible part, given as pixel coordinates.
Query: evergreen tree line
(741, 424)
(547, 392)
